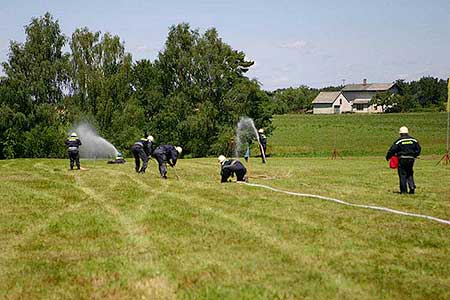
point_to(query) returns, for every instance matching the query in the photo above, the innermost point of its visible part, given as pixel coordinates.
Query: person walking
(231, 167)
(73, 143)
(407, 149)
(142, 150)
(166, 154)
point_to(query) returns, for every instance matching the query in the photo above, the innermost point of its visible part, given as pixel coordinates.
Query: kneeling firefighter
(142, 150)
(73, 143)
(119, 159)
(166, 154)
(230, 167)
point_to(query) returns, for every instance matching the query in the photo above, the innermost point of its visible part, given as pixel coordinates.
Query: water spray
(245, 132)
(93, 146)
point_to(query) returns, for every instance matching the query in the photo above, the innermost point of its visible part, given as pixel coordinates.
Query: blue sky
(317, 43)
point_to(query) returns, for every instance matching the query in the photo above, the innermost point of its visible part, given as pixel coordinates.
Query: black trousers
(139, 154)
(406, 174)
(240, 173)
(74, 157)
(161, 158)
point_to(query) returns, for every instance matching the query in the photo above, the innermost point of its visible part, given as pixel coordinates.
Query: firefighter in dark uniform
(407, 149)
(73, 143)
(142, 150)
(263, 142)
(119, 159)
(166, 154)
(231, 167)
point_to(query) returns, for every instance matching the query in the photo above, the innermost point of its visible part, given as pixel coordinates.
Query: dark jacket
(169, 152)
(144, 144)
(72, 143)
(230, 168)
(404, 147)
(262, 139)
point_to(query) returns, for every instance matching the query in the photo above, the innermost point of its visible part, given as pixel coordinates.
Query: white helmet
(221, 158)
(150, 138)
(261, 130)
(73, 134)
(179, 149)
(403, 130)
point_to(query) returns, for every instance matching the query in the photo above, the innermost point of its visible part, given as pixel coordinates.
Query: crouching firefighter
(119, 159)
(407, 149)
(142, 150)
(73, 143)
(166, 154)
(230, 167)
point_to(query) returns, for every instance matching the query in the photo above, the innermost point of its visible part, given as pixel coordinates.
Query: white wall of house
(344, 105)
(352, 95)
(323, 108)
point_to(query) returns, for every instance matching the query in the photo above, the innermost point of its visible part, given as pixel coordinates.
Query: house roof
(361, 101)
(372, 87)
(326, 97)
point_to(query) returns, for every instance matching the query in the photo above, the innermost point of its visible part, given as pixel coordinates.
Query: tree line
(426, 94)
(191, 95)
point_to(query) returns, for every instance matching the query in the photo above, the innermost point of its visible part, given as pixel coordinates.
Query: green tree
(197, 88)
(395, 102)
(36, 75)
(294, 99)
(101, 75)
(38, 67)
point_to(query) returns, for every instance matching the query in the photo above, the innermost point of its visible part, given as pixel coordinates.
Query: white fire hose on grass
(350, 204)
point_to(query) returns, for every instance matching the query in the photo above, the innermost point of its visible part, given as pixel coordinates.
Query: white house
(359, 95)
(352, 98)
(331, 103)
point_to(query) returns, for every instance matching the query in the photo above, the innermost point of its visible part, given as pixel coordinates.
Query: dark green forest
(191, 95)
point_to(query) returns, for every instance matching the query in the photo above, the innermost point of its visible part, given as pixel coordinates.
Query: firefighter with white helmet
(407, 149)
(73, 143)
(231, 167)
(166, 154)
(263, 143)
(142, 150)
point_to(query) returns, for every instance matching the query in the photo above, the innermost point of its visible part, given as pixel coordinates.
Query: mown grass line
(113, 234)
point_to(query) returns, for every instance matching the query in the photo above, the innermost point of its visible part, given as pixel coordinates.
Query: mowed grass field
(354, 134)
(109, 233)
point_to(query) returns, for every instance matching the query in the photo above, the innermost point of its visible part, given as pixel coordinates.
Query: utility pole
(446, 158)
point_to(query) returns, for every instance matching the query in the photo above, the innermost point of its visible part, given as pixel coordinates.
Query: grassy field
(108, 233)
(355, 134)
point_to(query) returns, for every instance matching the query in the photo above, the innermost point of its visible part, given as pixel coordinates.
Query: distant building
(357, 95)
(331, 103)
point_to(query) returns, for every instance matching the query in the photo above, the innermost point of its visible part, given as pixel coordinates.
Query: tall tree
(39, 65)
(101, 74)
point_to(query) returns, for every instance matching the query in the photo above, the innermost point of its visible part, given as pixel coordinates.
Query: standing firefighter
(263, 144)
(73, 143)
(407, 149)
(166, 154)
(230, 167)
(142, 150)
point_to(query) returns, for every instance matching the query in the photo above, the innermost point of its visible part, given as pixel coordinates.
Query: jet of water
(245, 133)
(93, 145)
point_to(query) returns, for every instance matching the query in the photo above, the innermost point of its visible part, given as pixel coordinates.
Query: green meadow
(354, 134)
(109, 233)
